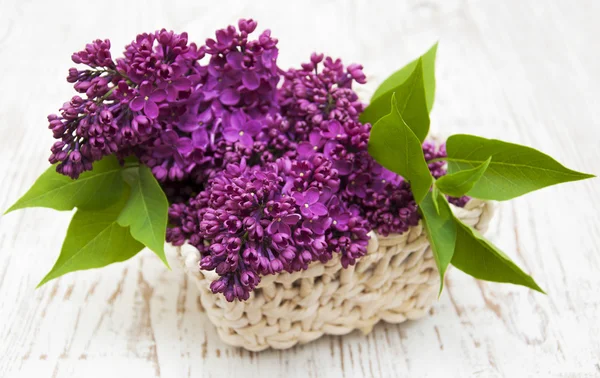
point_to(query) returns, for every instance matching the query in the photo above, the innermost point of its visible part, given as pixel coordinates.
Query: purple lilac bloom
(241, 129)
(309, 203)
(315, 142)
(227, 105)
(148, 99)
(124, 99)
(310, 99)
(256, 224)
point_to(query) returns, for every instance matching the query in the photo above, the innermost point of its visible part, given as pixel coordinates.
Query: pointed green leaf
(459, 183)
(393, 144)
(410, 101)
(441, 230)
(94, 189)
(146, 210)
(479, 258)
(402, 75)
(94, 239)
(514, 170)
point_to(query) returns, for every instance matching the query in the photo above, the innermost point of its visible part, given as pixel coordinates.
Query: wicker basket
(397, 280)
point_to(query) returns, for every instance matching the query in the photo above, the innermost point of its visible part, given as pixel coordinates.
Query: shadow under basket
(397, 280)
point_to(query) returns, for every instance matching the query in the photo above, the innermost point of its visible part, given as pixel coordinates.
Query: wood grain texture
(524, 71)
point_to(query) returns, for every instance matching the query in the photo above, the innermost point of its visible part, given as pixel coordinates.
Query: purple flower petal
(171, 93)
(246, 139)
(298, 196)
(145, 89)
(305, 150)
(359, 191)
(333, 129)
(311, 196)
(182, 84)
(137, 104)
(206, 116)
(314, 138)
(229, 97)
(169, 137)
(223, 37)
(250, 80)
(329, 146)
(150, 109)
(284, 229)
(273, 227)
(288, 186)
(200, 138)
(231, 135)
(252, 127)
(325, 195)
(188, 124)
(318, 209)
(237, 120)
(305, 211)
(343, 166)
(158, 95)
(291, 219)
(210, 95)
(184, 146)
(235, 59)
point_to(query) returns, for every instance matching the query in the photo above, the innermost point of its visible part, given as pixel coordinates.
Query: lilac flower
(318, 225)
(281, 224)
(311, 98)
(338, 214)
(315, 142)
(229, 97)
(241, 129)
(357, 185)
(309, 203)
(172, 87)
(383, 178)
(147, 99)
(173, 145)
(333, 130)
(124, 93)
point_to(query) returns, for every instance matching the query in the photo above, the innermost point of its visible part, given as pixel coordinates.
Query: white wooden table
(523, 71)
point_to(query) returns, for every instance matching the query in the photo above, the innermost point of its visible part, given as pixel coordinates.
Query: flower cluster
(180, 117)
(261, 179)
(246, 225)
(123, 99)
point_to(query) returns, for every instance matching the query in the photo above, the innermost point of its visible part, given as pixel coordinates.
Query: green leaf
(514, 170)
(393, 144)
(459, 183)
(146, 210)
(411, 103)
(441, 230)
(94, 189)
(481, 259)
(94, 239)
(401, 75)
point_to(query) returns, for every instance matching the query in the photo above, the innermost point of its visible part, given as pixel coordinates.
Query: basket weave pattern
(397, 280)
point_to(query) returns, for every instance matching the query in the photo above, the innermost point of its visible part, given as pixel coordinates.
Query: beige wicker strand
(397, 280)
